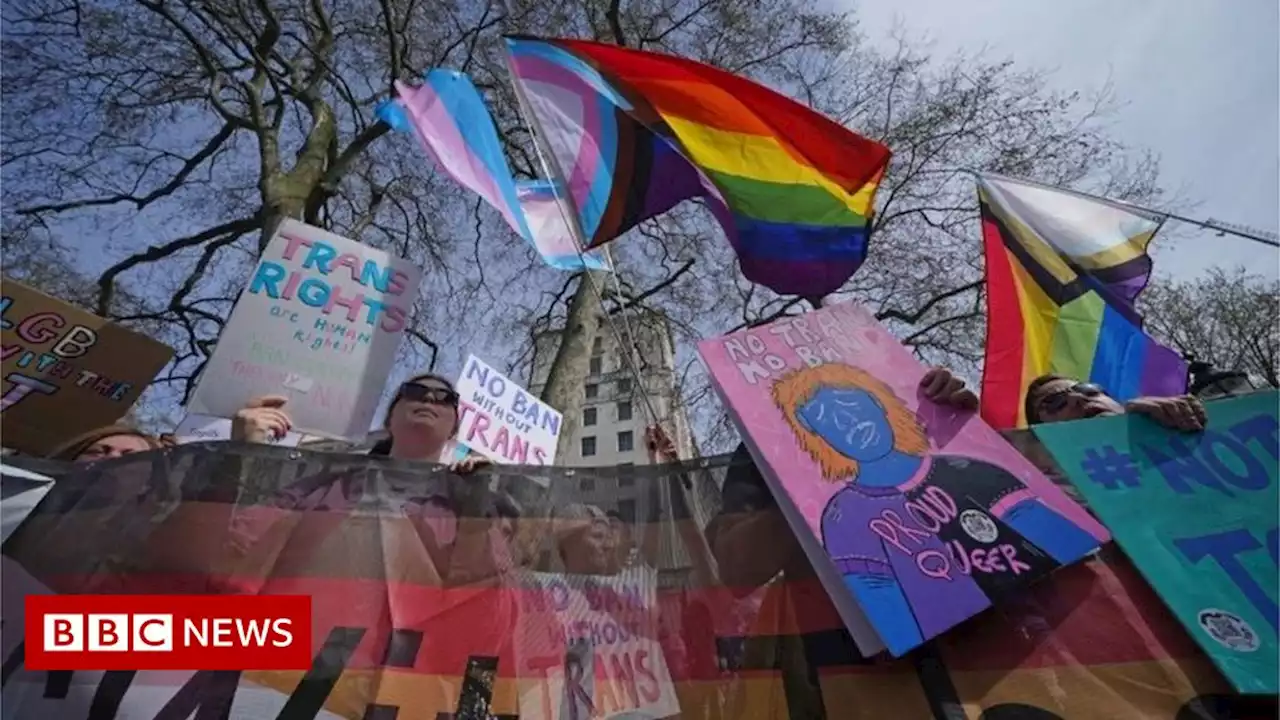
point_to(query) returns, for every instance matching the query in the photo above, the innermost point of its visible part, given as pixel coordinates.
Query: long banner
(423, 584)
(1198, 514)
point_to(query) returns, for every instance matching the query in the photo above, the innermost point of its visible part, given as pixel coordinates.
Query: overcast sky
(1199, 79)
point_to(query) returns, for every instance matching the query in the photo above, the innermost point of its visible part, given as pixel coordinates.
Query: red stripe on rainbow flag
(1002, 376)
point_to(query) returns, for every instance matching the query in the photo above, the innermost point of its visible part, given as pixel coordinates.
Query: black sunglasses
(435, 395)
(1056, 401)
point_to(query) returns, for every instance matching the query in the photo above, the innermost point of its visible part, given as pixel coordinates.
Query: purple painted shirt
(855, 548)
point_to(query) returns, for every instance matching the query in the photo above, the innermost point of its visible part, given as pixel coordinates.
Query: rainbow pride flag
(1063, 274)
(448, 116)
(793, 190)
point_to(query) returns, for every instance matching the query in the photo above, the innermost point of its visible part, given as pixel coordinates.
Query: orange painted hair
(793, 390)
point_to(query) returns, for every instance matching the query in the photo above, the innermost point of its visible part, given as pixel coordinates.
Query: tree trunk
(568, 374)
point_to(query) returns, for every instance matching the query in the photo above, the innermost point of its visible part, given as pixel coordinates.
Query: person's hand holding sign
(469, 464)
(944, 387)
(261, 420)
(1185, 413)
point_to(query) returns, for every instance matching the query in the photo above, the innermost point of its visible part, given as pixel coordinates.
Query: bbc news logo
(168, 632)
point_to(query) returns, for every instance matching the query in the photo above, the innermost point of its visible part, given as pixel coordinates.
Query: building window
(624, 410)
(588, 446)
(593, 390)
(627, 475)
(597, 345)
(627, 510)
(626, 441)
(597, 364)
(587, 485)
(624, 385)
(588, 417)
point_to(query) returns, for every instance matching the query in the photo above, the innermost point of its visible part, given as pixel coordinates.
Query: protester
(586, 541)
(111, 441)
(1057, 398)
(466, 534)
(421, 420)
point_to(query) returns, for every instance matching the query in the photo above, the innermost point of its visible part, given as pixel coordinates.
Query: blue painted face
(851, 421)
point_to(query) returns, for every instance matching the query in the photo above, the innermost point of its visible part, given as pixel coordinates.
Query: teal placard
(1198, 515)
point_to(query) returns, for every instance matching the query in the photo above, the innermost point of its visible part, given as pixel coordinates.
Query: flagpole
(1248, 233)
(551, 167)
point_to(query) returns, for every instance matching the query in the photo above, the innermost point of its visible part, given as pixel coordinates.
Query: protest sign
(402, 627)
(915, 516)
(501, 420)
(1197, 514)
(588, 645)
(318, 323)
(202, 428)
(66, 371)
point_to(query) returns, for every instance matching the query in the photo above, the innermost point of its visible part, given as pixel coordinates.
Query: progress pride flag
(168, 632)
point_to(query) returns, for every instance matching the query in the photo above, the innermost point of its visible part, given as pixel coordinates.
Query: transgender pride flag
(449, 117)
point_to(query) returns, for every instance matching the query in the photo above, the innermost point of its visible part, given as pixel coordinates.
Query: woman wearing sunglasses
(1056, 398)
(422, 419)
(432, 529)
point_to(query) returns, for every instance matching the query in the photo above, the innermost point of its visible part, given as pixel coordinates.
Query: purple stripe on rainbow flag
(1164, 372)
(1128, 363)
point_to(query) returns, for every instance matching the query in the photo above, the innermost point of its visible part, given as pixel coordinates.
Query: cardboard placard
(1197, 514)
(501, 420)
(319, 323)
(916, 516)
(66, 371)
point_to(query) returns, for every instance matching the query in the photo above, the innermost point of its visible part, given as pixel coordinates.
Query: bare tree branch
(106, 283)
(914, 317)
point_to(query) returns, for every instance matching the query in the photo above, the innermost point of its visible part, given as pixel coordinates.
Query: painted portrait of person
(923, 540)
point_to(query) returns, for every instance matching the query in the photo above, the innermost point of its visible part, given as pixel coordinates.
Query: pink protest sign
(916, 516)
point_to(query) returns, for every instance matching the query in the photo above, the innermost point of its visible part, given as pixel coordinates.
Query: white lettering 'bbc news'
(217, 632)
(108, 632)
(155, 632)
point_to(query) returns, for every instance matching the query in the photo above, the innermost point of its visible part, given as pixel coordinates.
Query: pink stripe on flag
(551, 236)
(442, 140)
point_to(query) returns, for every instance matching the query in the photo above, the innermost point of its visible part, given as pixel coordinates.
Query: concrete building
(613, 412)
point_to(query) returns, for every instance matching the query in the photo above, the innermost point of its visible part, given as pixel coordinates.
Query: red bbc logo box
(168, 632)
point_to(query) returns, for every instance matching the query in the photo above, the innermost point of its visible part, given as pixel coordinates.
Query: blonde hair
(71, 449)
(795, 389)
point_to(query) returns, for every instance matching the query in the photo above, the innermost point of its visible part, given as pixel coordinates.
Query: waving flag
(449, 117)
(1063, 273)
(792, 189)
